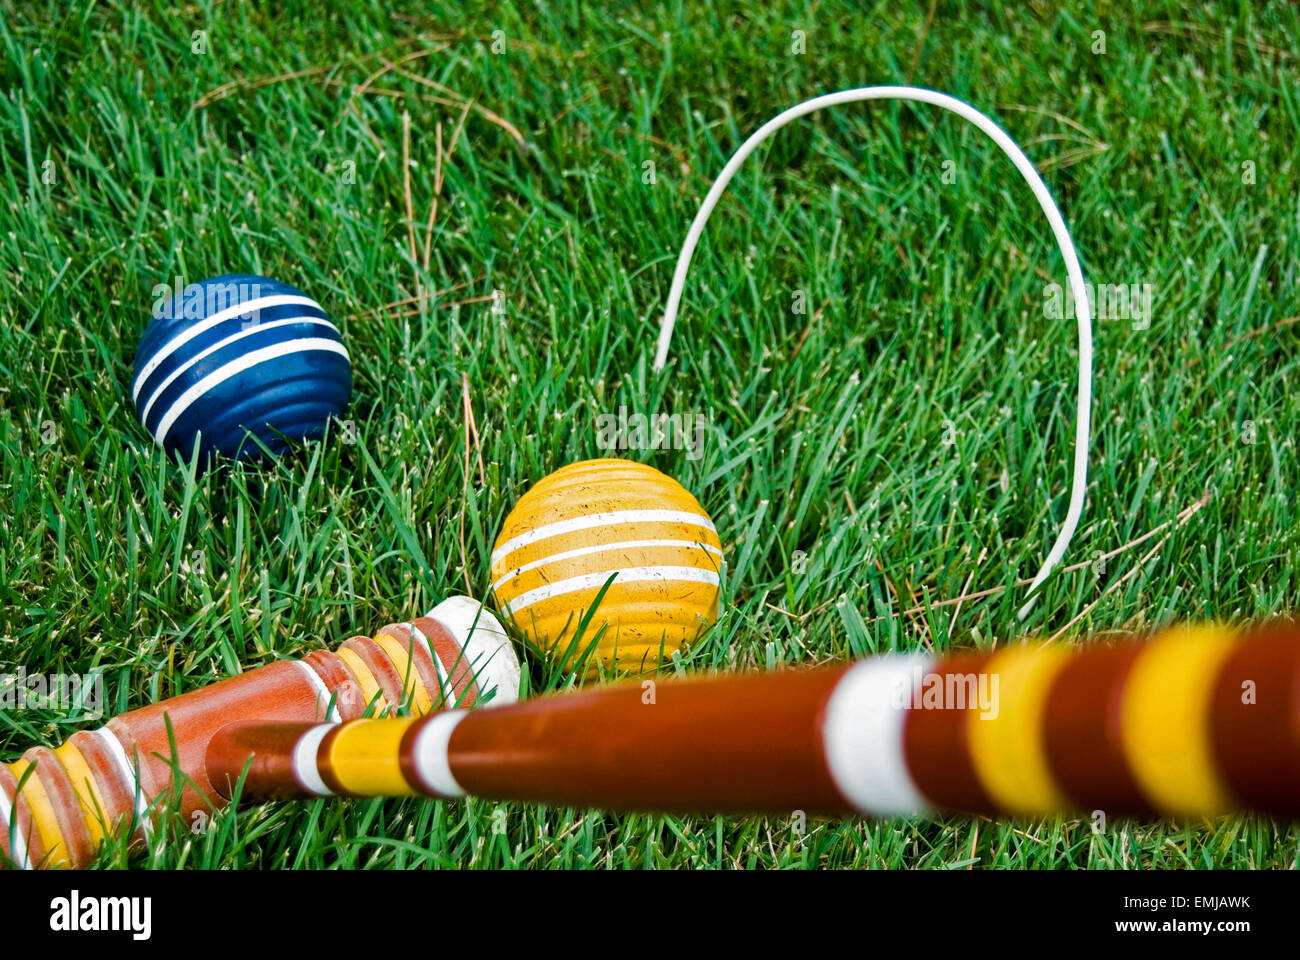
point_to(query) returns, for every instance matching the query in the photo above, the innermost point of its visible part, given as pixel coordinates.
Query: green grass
(826, 428)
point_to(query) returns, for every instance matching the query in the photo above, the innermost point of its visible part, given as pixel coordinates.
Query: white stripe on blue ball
(236, 357)
(208, 351)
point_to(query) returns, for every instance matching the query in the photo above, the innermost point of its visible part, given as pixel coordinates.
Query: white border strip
(221, 316)
(18, 851)
(862, 735)
(628, 575)
(130, 774)
(600, 547)
(238, 366)
(432, 754)
(323, 695)
(609, 519)
(305, 764)
(444, 681)
(222, 344)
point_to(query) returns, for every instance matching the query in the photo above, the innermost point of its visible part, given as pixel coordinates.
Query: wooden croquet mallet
(98, 781)
(1195, 721)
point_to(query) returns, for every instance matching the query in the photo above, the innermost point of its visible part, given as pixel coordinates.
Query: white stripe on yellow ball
(623, 557)
(600, 519)
(623, 546)
(592, 521)
(589, 581)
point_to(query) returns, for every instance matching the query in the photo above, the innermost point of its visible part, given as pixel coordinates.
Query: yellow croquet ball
(600, 519)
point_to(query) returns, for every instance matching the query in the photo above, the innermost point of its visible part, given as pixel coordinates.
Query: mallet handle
(1195, 721)
(734, 743)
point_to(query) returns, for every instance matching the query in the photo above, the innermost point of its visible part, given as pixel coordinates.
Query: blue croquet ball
(237, 357)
